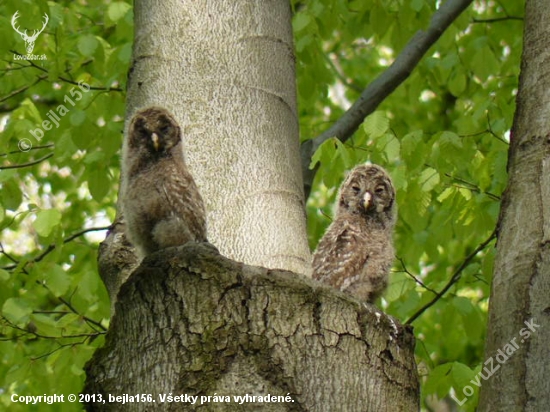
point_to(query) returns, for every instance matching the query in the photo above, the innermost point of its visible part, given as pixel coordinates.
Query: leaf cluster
(443, 136)
(61, 130)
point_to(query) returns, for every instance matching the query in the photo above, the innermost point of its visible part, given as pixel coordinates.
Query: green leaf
(323, 154)
(11, 195)
(390, 146)
(125, 53)
(117, 10)
(56, 279)
(99, 184)
(450, 141)
(457, 83)
(445, 194)
(16, 310)
(94, 157)
(344, 153)
(429, 178)
(301, 21)
(46, 220)
(439, 380)
(461, 375)
(376, 124)
(417, 5)
(302, 44)
(78, 117)
(44, 324)
(67, 319)
(413, 150)
(87, 44)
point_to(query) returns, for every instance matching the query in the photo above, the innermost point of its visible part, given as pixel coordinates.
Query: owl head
(368, 191)
(153, 130)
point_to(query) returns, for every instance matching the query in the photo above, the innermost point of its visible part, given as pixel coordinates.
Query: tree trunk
(519, 323)
(226, 70)
(191, 322)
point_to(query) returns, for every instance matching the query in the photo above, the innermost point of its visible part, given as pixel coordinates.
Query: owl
(356, 252)
(161, 203)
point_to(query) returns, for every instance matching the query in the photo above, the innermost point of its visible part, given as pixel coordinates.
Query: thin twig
(32, 64)
(340, 76)
(61, 346)
(3, 252)
(38, 335)
(30, 148)
(22, 89)
(415, 278)
(455, 278)
(85, 318)
(52, 247)
(497, 19)
(22, 165)
(472, 187)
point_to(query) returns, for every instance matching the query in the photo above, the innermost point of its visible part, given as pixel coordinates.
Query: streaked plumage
(161, 203)
(356, 252)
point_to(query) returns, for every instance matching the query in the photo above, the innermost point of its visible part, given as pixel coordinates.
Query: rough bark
(189, 321)
(225, 69)
(521, 283)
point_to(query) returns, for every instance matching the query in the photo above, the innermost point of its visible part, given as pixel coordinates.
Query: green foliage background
(442, 135)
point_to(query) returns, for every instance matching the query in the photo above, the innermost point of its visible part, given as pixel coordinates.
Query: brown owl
(161, 203)
(356, 253)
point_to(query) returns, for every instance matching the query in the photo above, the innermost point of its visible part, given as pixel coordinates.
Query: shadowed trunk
(519, 313)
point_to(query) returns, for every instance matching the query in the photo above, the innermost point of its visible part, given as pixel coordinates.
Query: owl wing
(340, 256)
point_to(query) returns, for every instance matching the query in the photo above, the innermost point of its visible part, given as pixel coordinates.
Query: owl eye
(379, 190)
(165, 129)
(356, 189)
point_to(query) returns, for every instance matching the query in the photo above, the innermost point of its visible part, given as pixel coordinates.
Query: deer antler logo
(29, 40)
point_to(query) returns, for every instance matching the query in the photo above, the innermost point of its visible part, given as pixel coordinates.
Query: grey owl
(356, 252)
(161, 203)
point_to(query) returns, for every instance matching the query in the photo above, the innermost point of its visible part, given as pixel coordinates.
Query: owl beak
(367, 197)
(155, 139)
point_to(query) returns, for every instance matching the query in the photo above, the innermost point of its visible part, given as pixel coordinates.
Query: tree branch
(340, 76)
(498, 19)
(35, 162)
(416, 279)
(66, 80)
(23, 89)
(455, 278)
(384, 85)
(31, 148)
(51, 247)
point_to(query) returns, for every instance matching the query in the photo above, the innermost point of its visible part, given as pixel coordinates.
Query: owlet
(161, 203)
(356, 253)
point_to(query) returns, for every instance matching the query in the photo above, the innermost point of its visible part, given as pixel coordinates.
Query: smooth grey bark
(189, 321)
(521, 283)
(225, 69)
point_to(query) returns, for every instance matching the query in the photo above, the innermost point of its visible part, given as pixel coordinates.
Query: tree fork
(190, 321)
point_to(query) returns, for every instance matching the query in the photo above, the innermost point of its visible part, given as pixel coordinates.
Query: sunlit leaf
(46, 220)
